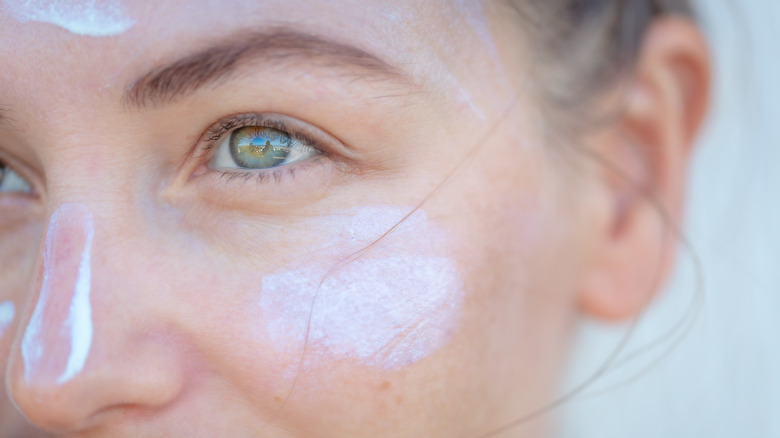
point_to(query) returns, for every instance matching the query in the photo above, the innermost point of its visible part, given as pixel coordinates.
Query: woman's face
(291, 218)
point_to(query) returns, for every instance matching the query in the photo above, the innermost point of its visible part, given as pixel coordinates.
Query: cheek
(351, 303)
(379, 311)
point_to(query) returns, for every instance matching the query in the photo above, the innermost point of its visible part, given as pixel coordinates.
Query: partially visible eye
(259, 147)
(12, 182)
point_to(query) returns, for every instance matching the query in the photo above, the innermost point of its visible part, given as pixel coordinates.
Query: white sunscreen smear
(81, 17)
(58, 338)
(7, 313)
(397, 303)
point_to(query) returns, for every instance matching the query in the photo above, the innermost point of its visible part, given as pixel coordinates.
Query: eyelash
(215, 134)
(261, 176)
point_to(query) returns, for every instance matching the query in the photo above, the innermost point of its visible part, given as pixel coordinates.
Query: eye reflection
(260, 147)
(257, 147)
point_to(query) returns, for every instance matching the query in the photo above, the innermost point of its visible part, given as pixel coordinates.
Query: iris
(259, 147)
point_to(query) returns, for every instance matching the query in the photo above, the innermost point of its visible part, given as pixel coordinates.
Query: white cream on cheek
(7, 313)
(58, 338)
(81, 17)
(396, 304)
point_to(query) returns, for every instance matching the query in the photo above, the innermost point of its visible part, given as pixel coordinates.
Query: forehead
(118, 41)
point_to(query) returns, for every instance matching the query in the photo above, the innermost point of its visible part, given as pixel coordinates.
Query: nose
(79, 361)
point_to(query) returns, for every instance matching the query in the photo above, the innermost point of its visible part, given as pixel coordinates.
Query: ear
(645, 157)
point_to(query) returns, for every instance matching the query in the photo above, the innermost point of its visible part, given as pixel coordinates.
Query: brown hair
(581, 47)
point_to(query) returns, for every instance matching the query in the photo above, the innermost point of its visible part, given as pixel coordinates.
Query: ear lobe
(645, 158)
(631, 268)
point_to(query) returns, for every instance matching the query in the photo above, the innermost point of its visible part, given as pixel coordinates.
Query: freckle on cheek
(58, 337)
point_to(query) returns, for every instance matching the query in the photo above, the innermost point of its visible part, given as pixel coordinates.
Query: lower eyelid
(258, 177)
(277, 174)
(299, 184)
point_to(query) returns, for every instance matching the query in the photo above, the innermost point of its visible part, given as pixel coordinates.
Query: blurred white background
(723, 377)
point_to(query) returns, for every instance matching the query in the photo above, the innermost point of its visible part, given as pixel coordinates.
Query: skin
(539, 241)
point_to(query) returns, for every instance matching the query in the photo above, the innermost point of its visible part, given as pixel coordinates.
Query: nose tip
(51, 407)
(112, 383)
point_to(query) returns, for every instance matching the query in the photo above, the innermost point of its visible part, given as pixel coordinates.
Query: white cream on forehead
(81, 17)
(396, 304)
(7, 313)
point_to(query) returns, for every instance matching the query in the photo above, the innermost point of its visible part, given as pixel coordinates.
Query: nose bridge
(88, 159)
(80, 352)
(56, 343)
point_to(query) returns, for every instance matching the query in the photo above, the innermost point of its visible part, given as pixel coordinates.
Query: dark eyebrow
(211, 65)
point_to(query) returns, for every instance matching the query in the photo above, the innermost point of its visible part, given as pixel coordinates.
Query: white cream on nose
(58, 338)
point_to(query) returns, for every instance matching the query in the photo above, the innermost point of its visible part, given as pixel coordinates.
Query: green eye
(256, 147)
(259, 147)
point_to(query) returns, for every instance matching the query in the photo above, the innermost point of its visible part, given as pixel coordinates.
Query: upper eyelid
(219, 130)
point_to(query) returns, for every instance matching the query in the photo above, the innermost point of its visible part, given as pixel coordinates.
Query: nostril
(113, 383)
(123, 375)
